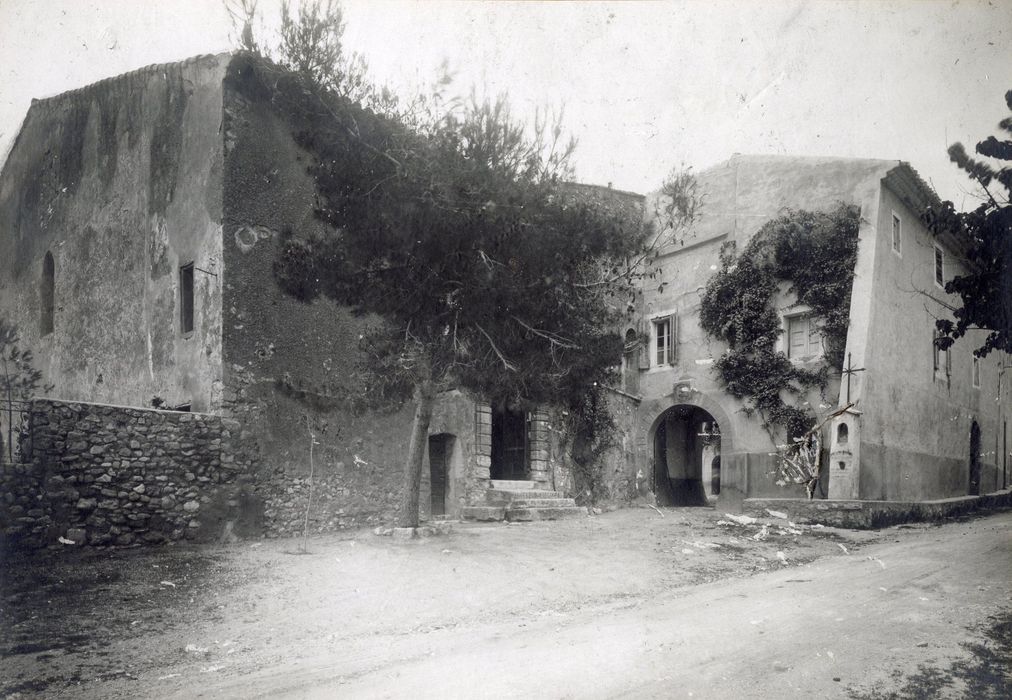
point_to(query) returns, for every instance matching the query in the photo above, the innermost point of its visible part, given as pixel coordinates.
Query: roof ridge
(124, 77)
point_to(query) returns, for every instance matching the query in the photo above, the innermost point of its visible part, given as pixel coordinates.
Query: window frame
(937, 361)
(47, 296)
(820, 349)
(896, 234)
(669, 358)
(939, 266)
(187, 305)
(975, 372)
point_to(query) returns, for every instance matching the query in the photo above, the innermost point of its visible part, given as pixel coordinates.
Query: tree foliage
(815, 253)
(985, 234)
(451, 221)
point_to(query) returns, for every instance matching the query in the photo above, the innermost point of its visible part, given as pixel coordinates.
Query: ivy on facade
(814, 254)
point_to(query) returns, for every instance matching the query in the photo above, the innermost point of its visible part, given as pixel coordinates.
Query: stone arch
(685, 467)
(652, 413)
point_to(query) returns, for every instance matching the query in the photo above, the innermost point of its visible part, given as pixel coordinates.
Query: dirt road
(820, 630)
(628, 604)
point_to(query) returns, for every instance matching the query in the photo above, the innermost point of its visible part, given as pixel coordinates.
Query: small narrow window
(630, 362)
(186, 298)
(942, 358)
(976, 372)
(939, 267)
(47, 293)
(897, 234)
(662, 330)
(842, 434)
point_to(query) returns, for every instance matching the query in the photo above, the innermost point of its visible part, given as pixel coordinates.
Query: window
(942, 358)
(664, 341)
(186, 299)
(842, 434)
(897, 234)
(939, 267)
(976, 372)
(630, 362)
(803, 339)
(47, 295)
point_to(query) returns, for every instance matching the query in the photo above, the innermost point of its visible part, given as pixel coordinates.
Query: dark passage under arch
(686, 450)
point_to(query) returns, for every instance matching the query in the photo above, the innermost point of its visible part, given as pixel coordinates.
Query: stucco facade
(908, 436)
(120, 184)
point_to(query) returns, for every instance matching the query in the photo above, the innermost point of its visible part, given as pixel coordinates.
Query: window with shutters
(664, 341)
(803, 338)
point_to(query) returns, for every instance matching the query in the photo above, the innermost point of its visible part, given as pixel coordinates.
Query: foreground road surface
(836, 626)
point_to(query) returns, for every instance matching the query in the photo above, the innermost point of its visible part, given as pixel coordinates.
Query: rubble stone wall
(110, 475)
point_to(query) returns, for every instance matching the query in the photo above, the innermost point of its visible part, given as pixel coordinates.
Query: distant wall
(109, 475)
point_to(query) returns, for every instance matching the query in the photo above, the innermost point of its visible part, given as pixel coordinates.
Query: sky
(646, 86)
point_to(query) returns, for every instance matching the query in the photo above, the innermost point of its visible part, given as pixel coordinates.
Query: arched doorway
(686, 456)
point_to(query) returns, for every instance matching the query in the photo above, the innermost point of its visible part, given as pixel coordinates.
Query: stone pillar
(844, 462)
(537, 441)
(482, 444)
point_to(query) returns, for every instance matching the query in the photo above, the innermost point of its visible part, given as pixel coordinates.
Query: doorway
(440, 451)
(974, 459)
(686, 457)
(509, 444)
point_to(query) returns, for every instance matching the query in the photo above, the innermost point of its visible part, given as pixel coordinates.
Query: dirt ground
(172, 621)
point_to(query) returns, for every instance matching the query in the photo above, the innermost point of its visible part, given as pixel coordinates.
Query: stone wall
(109, 475)
(863, 515)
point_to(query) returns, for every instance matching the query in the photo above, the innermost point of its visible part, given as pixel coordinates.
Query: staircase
(522, 501)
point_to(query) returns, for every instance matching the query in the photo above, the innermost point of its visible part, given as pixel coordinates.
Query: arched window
(46, 294)
(842, 434)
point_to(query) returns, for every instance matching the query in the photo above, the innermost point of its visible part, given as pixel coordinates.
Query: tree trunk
(425, 399)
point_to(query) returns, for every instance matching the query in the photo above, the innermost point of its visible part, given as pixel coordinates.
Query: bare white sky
(646, 85)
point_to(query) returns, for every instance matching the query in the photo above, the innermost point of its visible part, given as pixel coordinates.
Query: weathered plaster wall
(121, 182)
(285, 361)
(915, 427)
(739, 196)
(109, 475)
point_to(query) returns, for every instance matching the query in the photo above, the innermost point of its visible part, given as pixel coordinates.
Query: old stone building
(925, 424)
(140, 218)
(139, 221)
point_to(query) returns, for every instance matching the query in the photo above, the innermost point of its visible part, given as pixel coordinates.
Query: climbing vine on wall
(814, 253)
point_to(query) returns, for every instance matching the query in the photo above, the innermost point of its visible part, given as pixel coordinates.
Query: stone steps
(548, 513)
(504, 485)
(522, 501)
(497, 497)
(550, 502)
(483, 513)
